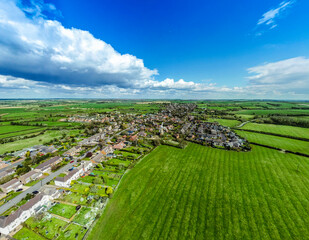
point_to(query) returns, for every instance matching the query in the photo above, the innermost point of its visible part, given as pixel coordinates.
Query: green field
(20, 144)
(278, 142)
(225, 122)
(279, 129)
(282, 112)
(206, 193)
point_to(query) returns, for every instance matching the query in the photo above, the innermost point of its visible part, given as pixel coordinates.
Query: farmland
(279, 129)
(277, 142)
(205, 193)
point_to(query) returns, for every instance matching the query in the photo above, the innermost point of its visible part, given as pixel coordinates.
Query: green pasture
(275, 141)
(205, 193)
(278, 129)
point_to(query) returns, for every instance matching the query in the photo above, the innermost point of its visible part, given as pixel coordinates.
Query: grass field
(206, 193)
(279, 129)
(274, 111)
(20, 144)
(278, 142)
(225, 122)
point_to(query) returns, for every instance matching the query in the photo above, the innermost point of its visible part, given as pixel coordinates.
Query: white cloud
(44, 50)
(269, 17)
(293, 71)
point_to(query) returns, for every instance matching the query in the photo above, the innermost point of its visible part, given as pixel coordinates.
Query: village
(71, 179)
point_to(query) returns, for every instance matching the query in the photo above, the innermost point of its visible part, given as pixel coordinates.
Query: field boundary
(280, 149)
(107, 200)
(273, 134)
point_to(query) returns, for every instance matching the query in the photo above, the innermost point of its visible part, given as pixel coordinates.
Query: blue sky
(154, 49)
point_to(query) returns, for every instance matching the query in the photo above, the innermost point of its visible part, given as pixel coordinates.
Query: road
(241, 125)
(37, 186)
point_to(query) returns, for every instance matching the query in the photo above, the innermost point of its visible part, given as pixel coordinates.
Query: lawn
(27, 234)
(206, 193)
(275, 141)
(29, 184)
(279, 129)
(63, 210)
(47, 227)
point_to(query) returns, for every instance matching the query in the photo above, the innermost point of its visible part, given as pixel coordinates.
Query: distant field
(20, 144)
(275, 111)
(225, 122)
(22, 133)
(278, 142)
(279, 129)
(12, 128)
(206, 193)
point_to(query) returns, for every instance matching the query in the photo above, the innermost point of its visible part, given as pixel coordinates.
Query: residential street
(37, 186)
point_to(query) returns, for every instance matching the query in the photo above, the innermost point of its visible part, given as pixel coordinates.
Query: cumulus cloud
(270, 16)
(286, 75)
(43, 50)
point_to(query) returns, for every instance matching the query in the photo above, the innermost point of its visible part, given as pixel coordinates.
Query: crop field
(279, 129)
(206, 193)
(275, 141)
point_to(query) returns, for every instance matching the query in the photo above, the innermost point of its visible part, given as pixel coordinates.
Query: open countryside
(204, 193)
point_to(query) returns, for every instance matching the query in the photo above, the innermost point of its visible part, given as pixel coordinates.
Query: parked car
(78, 207)
(35, 192)
(72, 161)
(71, 169)
(18, 190)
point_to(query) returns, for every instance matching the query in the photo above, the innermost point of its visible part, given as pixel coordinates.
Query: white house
(46, 166)
(33, 206)
(66, 180)
(30, 176)
(73, 175)
(12, 185)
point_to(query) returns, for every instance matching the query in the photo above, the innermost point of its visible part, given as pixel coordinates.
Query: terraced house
(33, 206)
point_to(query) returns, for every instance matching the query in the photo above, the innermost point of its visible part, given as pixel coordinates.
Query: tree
(109, 190)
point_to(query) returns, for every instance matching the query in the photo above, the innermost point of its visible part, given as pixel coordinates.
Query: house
(133, 138)
(30, 176)
(6, 173)
(46, 166)
(12, 185)
(119, 146)
(98, 157)
(74, 150)
(66, 180)
(86, 165)
(108, 149)
(33, 206)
